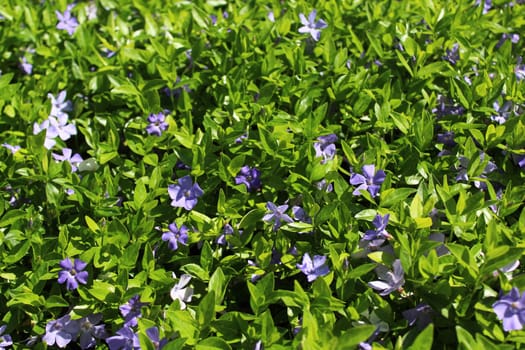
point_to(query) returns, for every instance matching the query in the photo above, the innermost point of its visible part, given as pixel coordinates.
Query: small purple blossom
(157, 124)
(510, 309)
(514, 38)
(90, 330)
(452, 55)
(13, 149)
(61, 331)
(463, 167)
(227, 230)
(446, 107)
(131, 311)
(5, 339)
(241, 138)
(325, 147)
(420, 316)
(487, 5)
(26, 67)
(277, 215)
(181, 291)
(504, 112)
(185, 193)
(323, 185)
(66, 21)
(74, 159)
(251, 177)
(125, 339)
(507, 269)
(370, 180)
(175, 236)
(519, 159)
(446, 138)
(313, 268)
(72, 273)
(377, 237)
(389, 281)
(271, 16)
(519, 70)
(154, 335)
(311, 26)
(300, 215)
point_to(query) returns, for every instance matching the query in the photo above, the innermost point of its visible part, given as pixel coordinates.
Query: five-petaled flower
(377, 237)
(90, 330)
(61, 331)
(175, 235)
(313, 268)
(72, 273)
(67, 155)
(250, 177)
(325, 147)
(311, 26)
(185, 193)
(5, 339)
(511, 310)
(389, 281)
(125, 339)
(181, 291)
(132, 311)
(370, 180)
(66, 21)
(157, 124)
(277, 215)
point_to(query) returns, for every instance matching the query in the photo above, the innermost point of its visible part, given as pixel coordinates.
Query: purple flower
(378, 236)
(446, 138)
(314, 268)
(175, 236)
(61, 331)
(519, 70)
(370, 181)
(213, 19)
(241, 138)
(227, 230)
(276, 215)
(514, 38)
(13, 149)
(519, 159)
(463, 167)
(421, 316)
(300, 215)
(154, 336)
(26, 67)
(66, 21)
(5, 339)
(72, 274)
(324, 186)
(507, 269)
(157, 124)
(90, 331)
(446, 107)
(503, 112)
(325, 147)
(251, 177)
(131, 311)
(389, 281)
(124, 340)
(181, 291)
(311, 26)
(439, 237)
(452, 55)
(511, 310)
(74, 160)
(271, 16)
(487, 5)
(185, 193)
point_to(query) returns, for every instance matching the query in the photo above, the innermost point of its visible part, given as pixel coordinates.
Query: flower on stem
(313, 268)
(125, 339)
(510, 309)
(67, 155)
(250, 177)
(181, 291)
(5, 339)
(185, 193)
(61, 331)
(377, 237)
(370, 180)
(66, 21)
(389, 281)
(325, 147)
(131, 311)
(175, 236)
(157, 124)
(311, 26)
(276, 215)
(72, 273)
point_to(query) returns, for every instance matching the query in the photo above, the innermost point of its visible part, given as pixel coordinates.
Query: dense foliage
(245, 174)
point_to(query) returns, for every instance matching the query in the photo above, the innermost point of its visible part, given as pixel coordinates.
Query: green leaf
(213, 343)
(217, 284)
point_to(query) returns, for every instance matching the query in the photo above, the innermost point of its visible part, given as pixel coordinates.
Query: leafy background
(376, 79)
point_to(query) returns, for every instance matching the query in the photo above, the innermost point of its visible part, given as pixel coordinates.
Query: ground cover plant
(262, 175)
